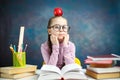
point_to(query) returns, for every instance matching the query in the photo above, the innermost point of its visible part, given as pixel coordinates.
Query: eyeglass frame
(60, 26)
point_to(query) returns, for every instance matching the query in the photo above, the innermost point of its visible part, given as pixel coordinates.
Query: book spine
(96, 59)
(115, 55)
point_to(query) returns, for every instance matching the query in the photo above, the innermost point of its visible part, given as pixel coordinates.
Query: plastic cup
(19, 59)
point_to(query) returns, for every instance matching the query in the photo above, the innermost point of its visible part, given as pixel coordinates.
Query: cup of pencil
(19, 58)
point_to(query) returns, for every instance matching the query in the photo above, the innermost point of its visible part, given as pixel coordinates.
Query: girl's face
(58, 28)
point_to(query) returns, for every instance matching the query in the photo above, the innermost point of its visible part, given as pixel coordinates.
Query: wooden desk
(35, 77)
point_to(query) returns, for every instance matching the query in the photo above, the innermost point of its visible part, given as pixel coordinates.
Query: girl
(58, 50)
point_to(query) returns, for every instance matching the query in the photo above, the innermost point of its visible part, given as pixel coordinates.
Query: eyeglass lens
(59, 27)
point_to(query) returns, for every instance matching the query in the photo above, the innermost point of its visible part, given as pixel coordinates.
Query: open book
(68, 72)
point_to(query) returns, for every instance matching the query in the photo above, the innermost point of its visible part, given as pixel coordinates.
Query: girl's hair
(49, 41)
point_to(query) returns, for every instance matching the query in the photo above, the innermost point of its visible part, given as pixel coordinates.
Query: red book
(105, 57)
(90, 61)
(99, 64)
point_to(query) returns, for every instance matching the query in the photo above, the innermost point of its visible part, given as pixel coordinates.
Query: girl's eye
(64, 27)
(56, 27)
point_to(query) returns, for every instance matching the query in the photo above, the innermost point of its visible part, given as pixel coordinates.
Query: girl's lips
(61, 34)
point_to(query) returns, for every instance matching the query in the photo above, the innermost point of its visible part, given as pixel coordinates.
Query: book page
(50, 68)
(49, 77)
(75, 76)
(70, 67)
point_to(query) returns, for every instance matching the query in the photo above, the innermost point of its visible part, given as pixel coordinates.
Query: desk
(35, 77)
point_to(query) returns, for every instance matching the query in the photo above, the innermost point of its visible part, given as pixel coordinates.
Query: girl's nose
(60, 29)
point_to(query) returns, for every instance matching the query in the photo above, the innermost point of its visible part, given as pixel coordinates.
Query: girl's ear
(49, 31)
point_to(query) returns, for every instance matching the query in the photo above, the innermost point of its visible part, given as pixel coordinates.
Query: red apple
(58, 11)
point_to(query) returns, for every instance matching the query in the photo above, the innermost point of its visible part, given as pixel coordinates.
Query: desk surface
(35, 77)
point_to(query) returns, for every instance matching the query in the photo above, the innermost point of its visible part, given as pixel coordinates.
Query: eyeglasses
(58, 27)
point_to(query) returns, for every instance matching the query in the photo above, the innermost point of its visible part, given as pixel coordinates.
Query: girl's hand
(54, 40)
(66, 39)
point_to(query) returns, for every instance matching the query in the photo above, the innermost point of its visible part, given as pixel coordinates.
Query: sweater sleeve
(50, 59)
(69, 53)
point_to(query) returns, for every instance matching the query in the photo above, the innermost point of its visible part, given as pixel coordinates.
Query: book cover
(90, 61)
(16, 76)
(105, 57)
(105, 70)
(30, 77)
(70, 71)
(102, 75)
(17, 70)
(99, 63)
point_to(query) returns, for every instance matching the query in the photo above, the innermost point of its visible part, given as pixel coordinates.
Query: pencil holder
(19, 59)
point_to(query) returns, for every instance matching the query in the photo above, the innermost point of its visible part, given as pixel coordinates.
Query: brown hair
(49, 41)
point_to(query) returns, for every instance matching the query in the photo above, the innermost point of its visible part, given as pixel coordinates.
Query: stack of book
(102, 67)
(17, 72)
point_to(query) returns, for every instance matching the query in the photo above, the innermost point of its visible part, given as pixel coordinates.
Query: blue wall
(95, 26)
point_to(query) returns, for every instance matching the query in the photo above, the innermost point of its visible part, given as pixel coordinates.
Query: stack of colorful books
(17, 72)
(103, 66)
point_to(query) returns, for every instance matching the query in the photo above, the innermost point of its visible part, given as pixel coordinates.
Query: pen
(14, 48)
(25, 47)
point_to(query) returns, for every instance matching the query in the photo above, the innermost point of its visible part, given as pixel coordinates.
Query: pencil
(12, 50)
